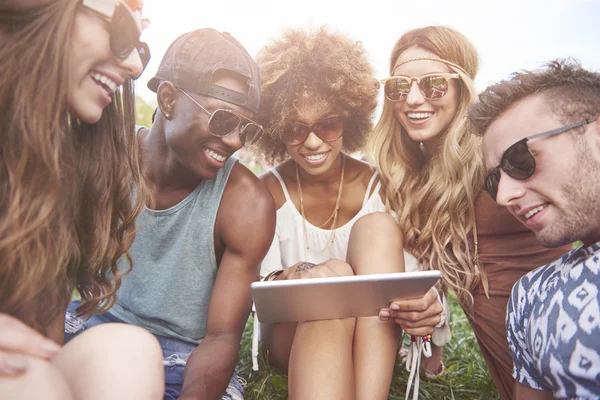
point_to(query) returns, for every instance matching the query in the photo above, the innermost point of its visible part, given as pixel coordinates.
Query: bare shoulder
(244, 186)
(273, 185)
(246, 217)
(361, 172)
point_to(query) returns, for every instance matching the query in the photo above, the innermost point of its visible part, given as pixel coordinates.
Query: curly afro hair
(329, 66)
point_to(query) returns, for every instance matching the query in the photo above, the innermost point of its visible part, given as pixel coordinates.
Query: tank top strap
(368, 192)
(283, 187)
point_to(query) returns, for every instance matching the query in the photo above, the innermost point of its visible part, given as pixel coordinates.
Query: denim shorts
(175, 353)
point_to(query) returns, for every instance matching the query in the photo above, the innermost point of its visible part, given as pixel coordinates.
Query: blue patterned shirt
(553, 326)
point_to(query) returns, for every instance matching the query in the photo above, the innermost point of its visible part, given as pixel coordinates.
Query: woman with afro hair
(318, 100)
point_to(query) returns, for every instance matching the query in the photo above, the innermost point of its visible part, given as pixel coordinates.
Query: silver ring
(305, 265)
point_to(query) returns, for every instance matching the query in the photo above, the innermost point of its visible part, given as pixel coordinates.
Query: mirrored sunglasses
(327, 129)
(432, 86)
(518, 161)
(223, 122)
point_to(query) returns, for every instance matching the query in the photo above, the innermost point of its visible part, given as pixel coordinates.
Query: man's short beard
(583, 216)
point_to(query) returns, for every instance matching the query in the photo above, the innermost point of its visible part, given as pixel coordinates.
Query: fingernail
(395, 306)
(16, 363)
(50, 348)
(384, 315)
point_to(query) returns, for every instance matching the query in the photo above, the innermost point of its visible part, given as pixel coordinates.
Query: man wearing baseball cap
(210, 222)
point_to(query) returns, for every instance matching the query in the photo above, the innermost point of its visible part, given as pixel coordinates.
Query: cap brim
(153, 84)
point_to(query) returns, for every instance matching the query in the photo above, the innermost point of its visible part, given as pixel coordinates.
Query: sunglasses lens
(124, 33)
(296, 134)
(396, 88)
(223, 122)
(518, 162)
(251, 134)
(433, 87)
(491, 183)
(144, 52)
(330, 129)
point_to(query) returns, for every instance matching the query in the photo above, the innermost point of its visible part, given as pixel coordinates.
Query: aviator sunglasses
(518, 161)
(122, 29)
(223, 122)
(327, 129)
(433, 86)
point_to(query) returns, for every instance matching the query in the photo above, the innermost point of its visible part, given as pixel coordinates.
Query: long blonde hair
(435, 196)
(66, 187)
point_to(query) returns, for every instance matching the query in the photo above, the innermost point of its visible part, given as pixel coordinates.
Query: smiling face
(95, 72)
(559, 201)
(314, 155)
(186, 130)
(424, 119)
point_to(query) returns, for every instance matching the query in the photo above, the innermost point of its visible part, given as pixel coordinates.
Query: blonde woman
(432, 173)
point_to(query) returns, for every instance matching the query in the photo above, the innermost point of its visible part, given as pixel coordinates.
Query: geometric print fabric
(553, 326)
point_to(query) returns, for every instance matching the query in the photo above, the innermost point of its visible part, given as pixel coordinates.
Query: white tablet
(339, 297)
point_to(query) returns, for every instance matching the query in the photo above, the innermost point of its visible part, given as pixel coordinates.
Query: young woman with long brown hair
(68, 169)
(432, 172)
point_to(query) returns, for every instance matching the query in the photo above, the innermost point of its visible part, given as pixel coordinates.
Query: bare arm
(523, 392)
(245, 226)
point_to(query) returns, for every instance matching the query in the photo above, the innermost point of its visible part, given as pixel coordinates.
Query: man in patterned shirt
(541, 148)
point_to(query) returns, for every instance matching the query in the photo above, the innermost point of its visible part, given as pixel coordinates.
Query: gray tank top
(174, 265)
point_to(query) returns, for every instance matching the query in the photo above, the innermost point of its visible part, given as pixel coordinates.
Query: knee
(137, 343)
(41, 380)
(105, 346)
(375, 224)
(376, 228)
(342, 268)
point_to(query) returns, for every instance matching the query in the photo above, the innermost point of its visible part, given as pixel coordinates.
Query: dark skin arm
(522, 392)
(243, 233)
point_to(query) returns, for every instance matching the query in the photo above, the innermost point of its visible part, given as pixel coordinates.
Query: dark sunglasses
(327, 129)
(223, 122)
(122, 29)
(433, 86)
(518, 162)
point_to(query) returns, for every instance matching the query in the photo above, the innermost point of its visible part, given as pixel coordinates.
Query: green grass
(466, 376)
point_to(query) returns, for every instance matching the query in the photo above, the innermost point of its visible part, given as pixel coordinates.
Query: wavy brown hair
(66, 187)
(571, 92)
(434, 195)
(326, 64)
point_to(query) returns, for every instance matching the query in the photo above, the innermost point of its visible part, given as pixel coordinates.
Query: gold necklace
(333, 215)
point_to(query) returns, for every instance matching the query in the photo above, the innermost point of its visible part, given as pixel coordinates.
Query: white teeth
(533, 212)
(419, 115)
(315, 157)
(106, 81)
(216, 156)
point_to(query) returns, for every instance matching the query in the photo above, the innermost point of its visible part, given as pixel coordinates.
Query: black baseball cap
(193, 58)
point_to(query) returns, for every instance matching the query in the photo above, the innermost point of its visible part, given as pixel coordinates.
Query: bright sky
(509, 34)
